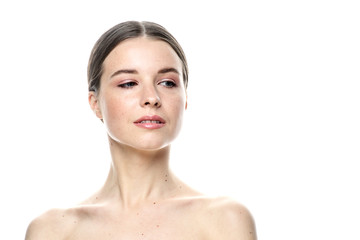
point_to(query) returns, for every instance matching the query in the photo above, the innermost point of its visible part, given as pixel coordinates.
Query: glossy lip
(150, 125)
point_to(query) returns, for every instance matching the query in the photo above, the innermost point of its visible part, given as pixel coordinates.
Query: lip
(150, 122)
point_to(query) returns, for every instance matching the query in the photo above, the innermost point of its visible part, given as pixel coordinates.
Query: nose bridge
(150, 95)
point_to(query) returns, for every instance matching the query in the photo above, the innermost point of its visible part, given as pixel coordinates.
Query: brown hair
(131, 29)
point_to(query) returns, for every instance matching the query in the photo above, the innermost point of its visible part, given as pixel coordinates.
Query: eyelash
(165, 83)
(127, 85)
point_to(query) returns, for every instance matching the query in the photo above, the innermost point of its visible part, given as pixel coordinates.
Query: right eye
(127, 85)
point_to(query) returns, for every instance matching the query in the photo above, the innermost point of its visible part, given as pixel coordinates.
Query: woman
(137, 77)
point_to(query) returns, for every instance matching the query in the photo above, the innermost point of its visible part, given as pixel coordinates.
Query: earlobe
(94, 104)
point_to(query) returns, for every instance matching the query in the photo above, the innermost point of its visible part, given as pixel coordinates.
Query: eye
(127, 85)
(168, 83)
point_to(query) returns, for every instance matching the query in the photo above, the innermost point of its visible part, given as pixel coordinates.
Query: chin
(153, 149)
(151, 144)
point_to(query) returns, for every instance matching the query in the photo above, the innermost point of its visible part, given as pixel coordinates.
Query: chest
(154, 225)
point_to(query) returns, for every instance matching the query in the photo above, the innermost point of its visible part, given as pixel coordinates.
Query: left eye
(168, 84)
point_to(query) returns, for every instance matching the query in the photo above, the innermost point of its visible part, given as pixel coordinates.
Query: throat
(139, 177)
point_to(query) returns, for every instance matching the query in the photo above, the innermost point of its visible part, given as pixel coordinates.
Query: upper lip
(150, 118)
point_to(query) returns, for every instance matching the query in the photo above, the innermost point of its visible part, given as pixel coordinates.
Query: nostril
(155, 104)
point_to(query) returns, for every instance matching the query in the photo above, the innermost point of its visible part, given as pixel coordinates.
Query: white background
(273, 117)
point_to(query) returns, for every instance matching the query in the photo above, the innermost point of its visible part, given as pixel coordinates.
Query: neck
(138, 176)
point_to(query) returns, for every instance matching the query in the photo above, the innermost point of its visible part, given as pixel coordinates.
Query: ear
(186, 100)
(94, 104)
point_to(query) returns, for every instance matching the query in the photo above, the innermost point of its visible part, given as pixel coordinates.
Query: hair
(126, 30)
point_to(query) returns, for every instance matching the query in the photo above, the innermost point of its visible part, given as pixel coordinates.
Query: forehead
(142, 54)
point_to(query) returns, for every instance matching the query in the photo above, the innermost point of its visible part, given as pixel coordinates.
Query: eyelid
(169, 79)
(127, 81)
(164, 80)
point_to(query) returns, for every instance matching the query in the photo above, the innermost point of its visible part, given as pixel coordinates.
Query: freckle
(62, 215)
(75, 222)
(250, 232)
(137, 214)
(165, 180)
(154, 202)
(157, 225)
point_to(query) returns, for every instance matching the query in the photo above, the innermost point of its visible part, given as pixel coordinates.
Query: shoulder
(225, 218)
(53, 224)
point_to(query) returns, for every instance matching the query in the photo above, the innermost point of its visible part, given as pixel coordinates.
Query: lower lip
(150, 125)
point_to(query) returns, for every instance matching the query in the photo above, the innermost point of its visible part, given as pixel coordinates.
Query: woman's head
(137, 85)
(127, 30)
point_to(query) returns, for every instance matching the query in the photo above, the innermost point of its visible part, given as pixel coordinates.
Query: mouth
(150, 122)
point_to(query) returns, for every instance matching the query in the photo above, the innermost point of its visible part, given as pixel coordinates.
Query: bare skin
(142, 198)
(178, 213)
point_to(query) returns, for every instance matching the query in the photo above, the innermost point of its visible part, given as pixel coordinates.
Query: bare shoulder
(54, 224)
(225, 218)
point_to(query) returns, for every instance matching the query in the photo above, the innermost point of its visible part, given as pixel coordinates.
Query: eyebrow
(133, 71)
(167, 70)
(128, 71)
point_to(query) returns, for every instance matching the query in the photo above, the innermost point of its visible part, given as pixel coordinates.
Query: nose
(151, 97)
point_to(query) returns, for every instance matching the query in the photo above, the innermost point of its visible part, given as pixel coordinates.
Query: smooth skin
(142, 198)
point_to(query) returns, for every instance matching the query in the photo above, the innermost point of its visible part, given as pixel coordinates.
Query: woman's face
(142, 96)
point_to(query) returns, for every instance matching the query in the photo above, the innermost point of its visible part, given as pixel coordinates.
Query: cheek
(177, 105)
(113, 108)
